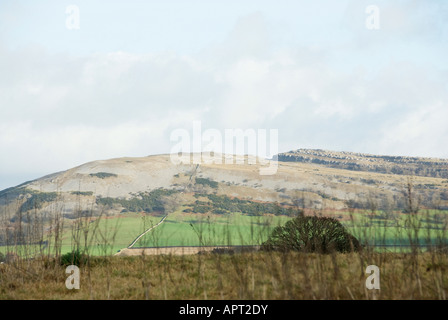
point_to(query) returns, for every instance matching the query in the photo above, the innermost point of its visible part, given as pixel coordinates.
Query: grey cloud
(65, 110)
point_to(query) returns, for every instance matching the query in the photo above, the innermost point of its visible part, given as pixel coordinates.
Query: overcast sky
(135, 71)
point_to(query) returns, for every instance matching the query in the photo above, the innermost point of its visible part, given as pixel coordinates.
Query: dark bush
(223, 251)
(103, 175)
(82, 193)
(207, 182)
(312, 234)
(75, 257)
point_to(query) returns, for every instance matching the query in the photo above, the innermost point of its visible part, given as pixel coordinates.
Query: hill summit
(306, 178)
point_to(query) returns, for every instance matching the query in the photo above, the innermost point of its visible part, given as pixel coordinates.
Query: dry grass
(257, 275)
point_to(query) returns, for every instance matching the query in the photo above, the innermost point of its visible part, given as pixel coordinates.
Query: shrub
(82, 193)
(312, 234)
(223, 251)
(207, 182)
(75, 257)
(103, 175)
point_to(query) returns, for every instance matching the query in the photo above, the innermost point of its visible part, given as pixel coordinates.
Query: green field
(179, 229)
(209, 230)
(106, 236)
(102, 236)
(403, 230)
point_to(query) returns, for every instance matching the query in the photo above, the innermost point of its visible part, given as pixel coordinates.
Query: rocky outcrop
(425, 167)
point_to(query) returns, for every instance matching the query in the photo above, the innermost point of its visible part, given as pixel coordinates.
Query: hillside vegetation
(425, 167)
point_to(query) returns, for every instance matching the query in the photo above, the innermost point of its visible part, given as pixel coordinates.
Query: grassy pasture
(209, 230)
(107, 235)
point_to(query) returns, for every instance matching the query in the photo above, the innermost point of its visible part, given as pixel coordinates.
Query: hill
(314, 179)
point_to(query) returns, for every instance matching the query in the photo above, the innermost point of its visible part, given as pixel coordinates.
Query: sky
(116, 78)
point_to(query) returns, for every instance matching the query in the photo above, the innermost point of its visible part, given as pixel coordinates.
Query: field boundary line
(145, 232)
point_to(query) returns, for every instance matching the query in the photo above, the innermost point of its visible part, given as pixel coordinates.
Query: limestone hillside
(313, 179)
